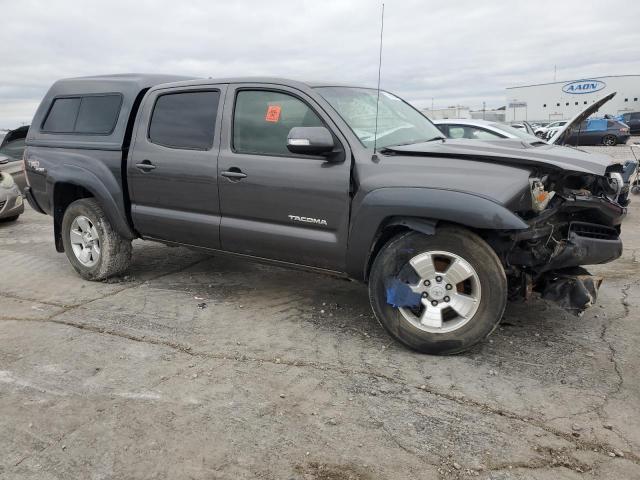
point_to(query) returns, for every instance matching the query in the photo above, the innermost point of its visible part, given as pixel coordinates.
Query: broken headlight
(616, 182)
(6, 180)
(540, 197)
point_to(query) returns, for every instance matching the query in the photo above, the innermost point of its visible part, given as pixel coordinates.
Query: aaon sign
(583, 86)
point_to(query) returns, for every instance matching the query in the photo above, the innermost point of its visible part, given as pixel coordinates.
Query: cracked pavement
(198, 366)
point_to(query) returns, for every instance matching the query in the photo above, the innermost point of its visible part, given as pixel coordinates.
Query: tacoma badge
(317, 221)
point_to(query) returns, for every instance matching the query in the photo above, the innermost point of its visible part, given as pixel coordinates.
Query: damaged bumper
(547, 258)
(574, 289)
(586, 244)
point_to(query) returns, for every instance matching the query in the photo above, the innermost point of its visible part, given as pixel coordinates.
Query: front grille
(2, 204)
(592, 230)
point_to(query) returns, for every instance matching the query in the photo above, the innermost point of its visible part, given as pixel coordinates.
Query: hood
(12, 135)
(510, 152)
(560, 137)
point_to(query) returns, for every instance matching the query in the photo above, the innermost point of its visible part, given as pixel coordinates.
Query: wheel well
(383, 236)
(64, 194)
(389, 230)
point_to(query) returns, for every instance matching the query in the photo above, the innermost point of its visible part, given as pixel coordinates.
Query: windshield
(516, 132)
(398, 122)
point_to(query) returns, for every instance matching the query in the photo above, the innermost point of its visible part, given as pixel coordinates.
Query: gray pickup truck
(443, 231)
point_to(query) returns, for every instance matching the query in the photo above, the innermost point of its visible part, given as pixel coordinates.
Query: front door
(172, 170)
(276, 204)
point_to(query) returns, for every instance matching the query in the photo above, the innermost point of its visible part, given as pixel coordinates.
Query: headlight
(540, 198)
(6, 180)
(616, 182)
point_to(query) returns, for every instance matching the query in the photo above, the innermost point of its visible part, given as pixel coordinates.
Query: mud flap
(574, 289)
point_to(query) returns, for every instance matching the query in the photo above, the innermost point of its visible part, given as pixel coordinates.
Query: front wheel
(610, 140)
(438, 294)
(93, 247)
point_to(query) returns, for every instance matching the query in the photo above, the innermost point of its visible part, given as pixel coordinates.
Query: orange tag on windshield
(273, 113)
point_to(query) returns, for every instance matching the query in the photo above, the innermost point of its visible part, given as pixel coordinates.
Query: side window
(98, 114)
(635, 116)
(14, 149)
(444, 129)
(262, 120)
(456, 132)
(62, 115)
(481, 134)
(90, 114)
(185, 120)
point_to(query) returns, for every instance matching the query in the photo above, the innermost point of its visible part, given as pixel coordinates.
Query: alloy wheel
(449, 289)
(85, 241)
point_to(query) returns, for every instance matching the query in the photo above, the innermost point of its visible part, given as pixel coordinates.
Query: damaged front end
(574, 220)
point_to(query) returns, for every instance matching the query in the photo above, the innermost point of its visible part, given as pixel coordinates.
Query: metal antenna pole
(375, 134)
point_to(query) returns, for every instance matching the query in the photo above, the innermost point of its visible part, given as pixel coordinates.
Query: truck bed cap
(130, 86)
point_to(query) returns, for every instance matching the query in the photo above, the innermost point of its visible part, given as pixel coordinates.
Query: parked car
(543, 132)
(11, 149)
(632, 120)
(12, 145)
(594, 131)
(526, 126)
(481, 130)
(343, 180)
(11, 204)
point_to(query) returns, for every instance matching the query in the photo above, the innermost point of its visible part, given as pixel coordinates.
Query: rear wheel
(93, 247)
(610, 140)
(457, 281)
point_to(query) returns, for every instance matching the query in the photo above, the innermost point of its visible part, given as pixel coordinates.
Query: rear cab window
(84, 115)
(184, 120)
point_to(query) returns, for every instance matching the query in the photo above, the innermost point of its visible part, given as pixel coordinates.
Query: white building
(563, 100)
(456, 111)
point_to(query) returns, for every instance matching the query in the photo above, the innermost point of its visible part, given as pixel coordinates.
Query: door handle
(145, 166)
(234, 173)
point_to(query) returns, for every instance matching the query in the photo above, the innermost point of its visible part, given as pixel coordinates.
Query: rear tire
(94, 249)
(485, 290)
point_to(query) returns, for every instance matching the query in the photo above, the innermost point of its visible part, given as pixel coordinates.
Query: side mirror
(310, 141)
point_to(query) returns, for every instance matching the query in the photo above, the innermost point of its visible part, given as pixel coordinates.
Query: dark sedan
(598, 131)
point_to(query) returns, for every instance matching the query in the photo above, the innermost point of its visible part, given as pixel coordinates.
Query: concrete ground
(203, 367)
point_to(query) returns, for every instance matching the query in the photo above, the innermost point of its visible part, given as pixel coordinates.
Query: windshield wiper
(413, 142)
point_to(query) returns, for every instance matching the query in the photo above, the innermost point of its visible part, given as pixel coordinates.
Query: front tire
(610, 141)
(94, 249)
(462, 285)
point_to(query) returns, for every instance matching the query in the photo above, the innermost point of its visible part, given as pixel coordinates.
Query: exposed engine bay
(574, 220)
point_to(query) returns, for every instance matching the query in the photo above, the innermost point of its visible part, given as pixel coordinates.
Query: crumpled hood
(510, 151)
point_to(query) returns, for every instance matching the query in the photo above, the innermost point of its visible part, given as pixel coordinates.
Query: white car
(542, 132)
(482, 130)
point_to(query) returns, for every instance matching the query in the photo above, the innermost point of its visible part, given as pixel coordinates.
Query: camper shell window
(83, 115)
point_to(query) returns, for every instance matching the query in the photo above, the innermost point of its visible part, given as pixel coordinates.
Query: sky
(445, 53)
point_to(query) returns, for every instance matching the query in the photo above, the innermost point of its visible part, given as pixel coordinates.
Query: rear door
(172, 168)
(275, 204)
